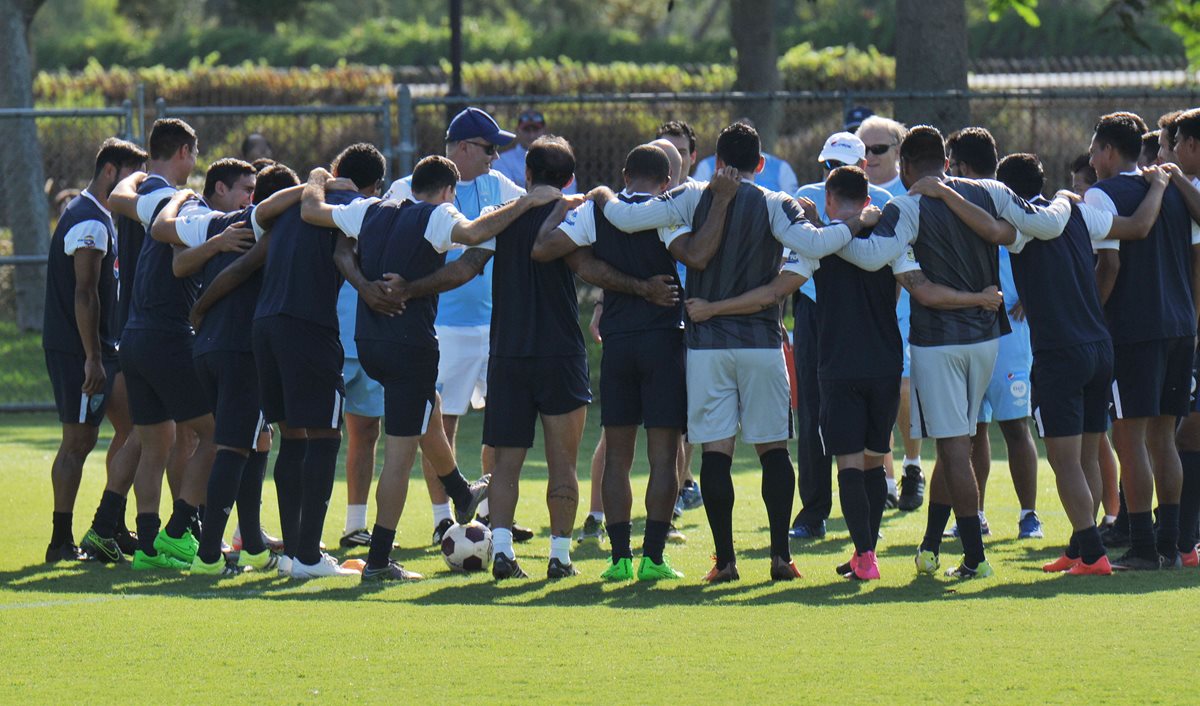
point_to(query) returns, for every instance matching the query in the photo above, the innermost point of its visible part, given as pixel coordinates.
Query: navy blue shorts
(1196, 383)
(519, 389)
(642, 380)
(1071, 388)
(299, 372)
(66, 378)
(1153, 378)
(858, 415)
(161, 377)
(409, 378)
(230, 382)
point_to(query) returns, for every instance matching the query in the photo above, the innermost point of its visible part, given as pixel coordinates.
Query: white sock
(982, 519)
(891, 486)
(356, 518)
(483, 508)
(441, 512)
(597, 516)
(560, 548)
(1109, 519)
(502, 543)
(1024, 513)
(911, 462)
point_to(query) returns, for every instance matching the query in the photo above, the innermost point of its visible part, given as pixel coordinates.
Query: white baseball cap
(843, 147)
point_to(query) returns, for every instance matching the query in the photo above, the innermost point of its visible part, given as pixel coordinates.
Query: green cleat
(620, 571)
(220, 567)
(983, 571)
(263, 561)
(141, 561)
(183, 549)
(649, 571)
(106, 551)
(927, 562)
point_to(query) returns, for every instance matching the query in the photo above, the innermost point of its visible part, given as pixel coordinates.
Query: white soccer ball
(467, 547)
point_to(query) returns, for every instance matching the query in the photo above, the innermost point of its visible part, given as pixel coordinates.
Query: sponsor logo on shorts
(1018, 388)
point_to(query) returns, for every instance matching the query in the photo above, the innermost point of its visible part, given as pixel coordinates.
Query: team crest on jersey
(88, 241)
(572, 216)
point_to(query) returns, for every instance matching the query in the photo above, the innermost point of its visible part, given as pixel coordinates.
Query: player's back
(160, 301)
(227, 324)
(59, 329)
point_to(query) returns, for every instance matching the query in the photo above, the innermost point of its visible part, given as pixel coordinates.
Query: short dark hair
(361, 163)
(168, 135)
(225, 171)
(848, 183)
(119, 153)
(251, 139)
(974, 147)
(1188, 125)
(923, 148)
(262, 163)
(434, 173)
(1168, 128)
(1022, 172)
(1123, 132)
(1083, 163)
(272, 178)
(1150, 145)
(551, 161)
(738, 146)
(648, 162)
(678, 128)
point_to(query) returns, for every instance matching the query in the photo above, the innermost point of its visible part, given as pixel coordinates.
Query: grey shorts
(744, 388)
(947, 388)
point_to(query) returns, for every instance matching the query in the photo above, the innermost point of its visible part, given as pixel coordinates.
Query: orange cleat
(1101, 567)
(783, 570)
(729, 573)
(1063, 563)
(1190, 560)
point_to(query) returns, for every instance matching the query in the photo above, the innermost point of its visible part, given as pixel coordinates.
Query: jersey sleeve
(147, 204)
(889, 241)
(799, 265)
(192, 229)
(907, 262)
(86, 235)
(349, 217)
(580, 225)
(400, 190)
(1098, 222)
(670, 210)
(440, 229)
(790, 227)
(1041, 222)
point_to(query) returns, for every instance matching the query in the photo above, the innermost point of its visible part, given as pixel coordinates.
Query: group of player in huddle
(195, 322)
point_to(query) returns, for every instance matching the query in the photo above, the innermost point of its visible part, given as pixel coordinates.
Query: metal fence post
(404, 106)
(127, 105)
(386, 128)
(141, 113)
(160, 108)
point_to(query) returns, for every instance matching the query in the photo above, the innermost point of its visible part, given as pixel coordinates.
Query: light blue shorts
(1008, 393)
(364, 396)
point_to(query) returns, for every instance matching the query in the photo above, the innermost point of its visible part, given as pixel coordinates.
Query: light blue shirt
(347, 312)
(815, 192)
(512, 165)
(1016, 352)
(777, 174)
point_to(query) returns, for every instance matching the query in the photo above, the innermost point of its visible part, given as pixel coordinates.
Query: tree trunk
(931, 55)
(21, 162)
(752, 26)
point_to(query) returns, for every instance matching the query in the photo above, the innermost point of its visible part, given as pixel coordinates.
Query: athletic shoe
(1112, 537)
(1190, 560)
(506, 567)
(927, 562)
(439, 531)
(64, 552)
(392, 572)
(912, 488)
(806, 531)
(275, 544)
(783, 569)
(691, 497)
(184, 548)
(864, 567)
(479, 493)
(1102, 567)
(263, 561)
(1131, 561)
(142, 560)
(325, 566)
(984, 530)
(520, 534)
(729, 573)
(1171, 562)
(891, 502)
(220, 567)
(844, 570)
(649, 571)
(592, 529)
(356, 539)
(127, 541)
(674, 535)
(107, 551)
(284, 566)
(622, 570)
(558, 570)
(1063, 563)
(677, 511)
(962, 571)
(1030, 527)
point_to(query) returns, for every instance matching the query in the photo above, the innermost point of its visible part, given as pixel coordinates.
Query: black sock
(60, 532)
(380, 552)
(1072, 551)
(110, 511)
(320, 467)
(778, 488)
(1189, 500)
(1091, 547)
(249, 502)
(182, 516)
(223, 484)
(147, 524)
(289, 489)
(875, 480)
(457, 488)
(1168, 531)
(1122, 521)
(718, 502)
(655, 541)
(195, 525)
(970, 532)
(856, 507)
(618, 537)
(689, 483)
(935, 525)
(1141, 534)
(121, 527)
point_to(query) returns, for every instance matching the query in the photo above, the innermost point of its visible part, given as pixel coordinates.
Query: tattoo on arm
(912, 279)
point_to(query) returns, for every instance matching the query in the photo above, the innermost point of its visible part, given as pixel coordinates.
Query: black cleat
(355, 539)
(105, 551)
(891, 502)
(559, 570)
(506, 567)
(64, 552)
(1132, 561)
(479, 493)
(520, 534)
(912, 489)
(392, 572)
(1112, 536)
(126, 540)
(440, 530)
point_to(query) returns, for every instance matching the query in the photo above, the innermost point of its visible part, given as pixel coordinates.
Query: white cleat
(327, 566)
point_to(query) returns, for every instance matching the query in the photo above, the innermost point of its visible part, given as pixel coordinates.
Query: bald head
(674, 158)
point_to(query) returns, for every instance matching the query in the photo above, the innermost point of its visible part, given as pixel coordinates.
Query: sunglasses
(880, 149)
(531, 116)
(831, 164)
(488, 148)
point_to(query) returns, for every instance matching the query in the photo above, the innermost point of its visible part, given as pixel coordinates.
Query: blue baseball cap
(855, 116)
(474, 122)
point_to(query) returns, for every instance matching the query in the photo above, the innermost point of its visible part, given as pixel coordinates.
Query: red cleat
(1190, 560)
(864, 567)
(1102, 567)
(1063, 563)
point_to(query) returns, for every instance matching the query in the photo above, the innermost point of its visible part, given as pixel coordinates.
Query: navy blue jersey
(160, 301)
(130, 237)
(227, 324)
(1152, 298)
(85, 224)
(300, 278)
(534, 309)
(1057, 282)
(392, 239)
(858, 336)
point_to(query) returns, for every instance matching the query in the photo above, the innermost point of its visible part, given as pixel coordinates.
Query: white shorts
(462, 367)
(947, 387)
(739, 387)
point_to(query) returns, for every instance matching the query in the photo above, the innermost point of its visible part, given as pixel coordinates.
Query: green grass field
(100, 634)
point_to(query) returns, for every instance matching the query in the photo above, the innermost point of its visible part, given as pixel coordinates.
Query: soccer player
(531, 125)
(776, 174)
(1072, 366)
(1153, 340)
(80, 341)
(1150, 150)
(642, 372)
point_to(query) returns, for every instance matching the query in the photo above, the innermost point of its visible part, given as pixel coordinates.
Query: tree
(752, 26)
(21, 161)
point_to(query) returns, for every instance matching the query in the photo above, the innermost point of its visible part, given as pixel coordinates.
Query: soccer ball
(467, 547)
